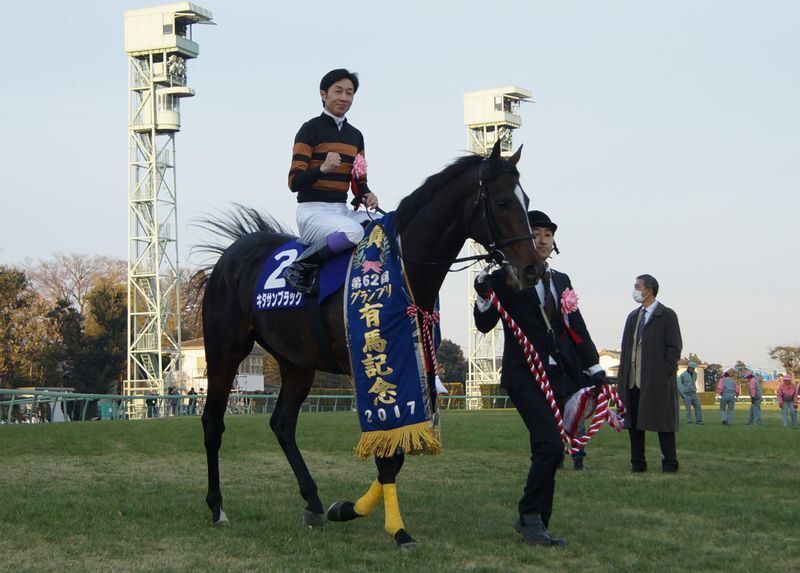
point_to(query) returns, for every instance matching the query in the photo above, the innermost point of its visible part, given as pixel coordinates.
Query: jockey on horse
(324, 151)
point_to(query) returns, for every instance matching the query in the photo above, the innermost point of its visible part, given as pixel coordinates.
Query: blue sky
(664, 139)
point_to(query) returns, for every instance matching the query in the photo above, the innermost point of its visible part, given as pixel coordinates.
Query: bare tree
(71, 277)
(192, 288)
(112, 269)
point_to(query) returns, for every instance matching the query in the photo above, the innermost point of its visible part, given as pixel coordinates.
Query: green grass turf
(130, 496)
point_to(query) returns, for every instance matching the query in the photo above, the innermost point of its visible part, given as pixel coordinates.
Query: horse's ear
(515, 158)
(495, 155)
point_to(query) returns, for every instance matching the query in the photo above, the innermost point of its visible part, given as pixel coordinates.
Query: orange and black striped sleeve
(301, 173)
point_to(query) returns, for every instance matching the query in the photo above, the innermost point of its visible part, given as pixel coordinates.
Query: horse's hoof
(223, 520)
(404, 539)
(314, 520)
(342, 511)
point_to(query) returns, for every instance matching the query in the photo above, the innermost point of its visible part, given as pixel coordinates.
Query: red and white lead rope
(602, 412)
(429, 319)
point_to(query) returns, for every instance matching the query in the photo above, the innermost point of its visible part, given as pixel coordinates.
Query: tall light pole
(159, 43)
(490, 115)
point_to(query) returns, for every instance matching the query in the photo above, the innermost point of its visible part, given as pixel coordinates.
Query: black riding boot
(302, 273)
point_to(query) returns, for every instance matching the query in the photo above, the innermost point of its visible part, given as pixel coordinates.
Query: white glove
(440, 388)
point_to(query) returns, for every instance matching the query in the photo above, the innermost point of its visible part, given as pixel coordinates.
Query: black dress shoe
(533, 531)
(637, 469)
(669, 467)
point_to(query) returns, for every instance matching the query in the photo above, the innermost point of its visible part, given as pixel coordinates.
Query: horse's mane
(412, 203)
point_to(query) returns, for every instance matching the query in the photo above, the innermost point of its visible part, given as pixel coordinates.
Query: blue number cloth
(272, 292)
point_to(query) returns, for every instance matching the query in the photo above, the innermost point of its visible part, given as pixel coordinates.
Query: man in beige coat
(651, 348)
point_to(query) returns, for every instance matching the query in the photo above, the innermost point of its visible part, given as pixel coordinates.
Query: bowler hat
(540, 219)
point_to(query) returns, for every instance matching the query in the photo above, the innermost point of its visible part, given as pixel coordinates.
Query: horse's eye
(502, 204)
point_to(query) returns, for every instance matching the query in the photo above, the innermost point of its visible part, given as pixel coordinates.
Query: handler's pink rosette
(569, 304)
(569, 301)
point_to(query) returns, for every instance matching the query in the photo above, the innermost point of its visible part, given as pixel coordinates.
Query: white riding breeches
(316, 220)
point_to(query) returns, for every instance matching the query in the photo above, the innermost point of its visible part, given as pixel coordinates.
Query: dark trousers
(547, 450)
(666, 440)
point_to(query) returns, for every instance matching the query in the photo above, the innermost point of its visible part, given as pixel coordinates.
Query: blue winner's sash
(392, 395)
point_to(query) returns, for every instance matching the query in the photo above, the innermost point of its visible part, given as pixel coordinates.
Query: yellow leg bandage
(367, 502)
(393, 521)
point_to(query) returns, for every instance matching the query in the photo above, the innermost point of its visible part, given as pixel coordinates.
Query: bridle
(481, 211)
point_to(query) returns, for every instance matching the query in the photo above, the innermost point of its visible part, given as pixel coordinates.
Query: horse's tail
(228, 227)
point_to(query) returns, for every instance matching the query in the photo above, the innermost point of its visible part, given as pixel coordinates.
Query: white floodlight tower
(490, 115)
(158, 41)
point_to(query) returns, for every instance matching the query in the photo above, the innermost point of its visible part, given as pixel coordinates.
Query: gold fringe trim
(421, 438)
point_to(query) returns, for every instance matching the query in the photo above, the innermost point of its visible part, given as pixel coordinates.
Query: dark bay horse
(475, 197)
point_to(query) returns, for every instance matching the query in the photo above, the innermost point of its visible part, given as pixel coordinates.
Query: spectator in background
(755, 398)
(192, 401)
(651, 348)
(787, 400)
(173, 400)
(728, 390)
(687, 386)
(151, 406)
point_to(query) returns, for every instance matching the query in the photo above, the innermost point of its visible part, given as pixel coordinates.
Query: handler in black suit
(537, 312)
(651, 348)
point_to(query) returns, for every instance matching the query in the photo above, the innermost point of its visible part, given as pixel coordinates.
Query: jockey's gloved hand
(483, 283)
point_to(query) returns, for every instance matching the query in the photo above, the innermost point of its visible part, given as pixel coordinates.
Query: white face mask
(638, 296)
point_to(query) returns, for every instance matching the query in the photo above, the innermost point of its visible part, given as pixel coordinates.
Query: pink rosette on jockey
(359, 166)
(359, 171)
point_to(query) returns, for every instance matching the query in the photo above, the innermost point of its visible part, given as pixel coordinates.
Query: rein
(602, 413)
